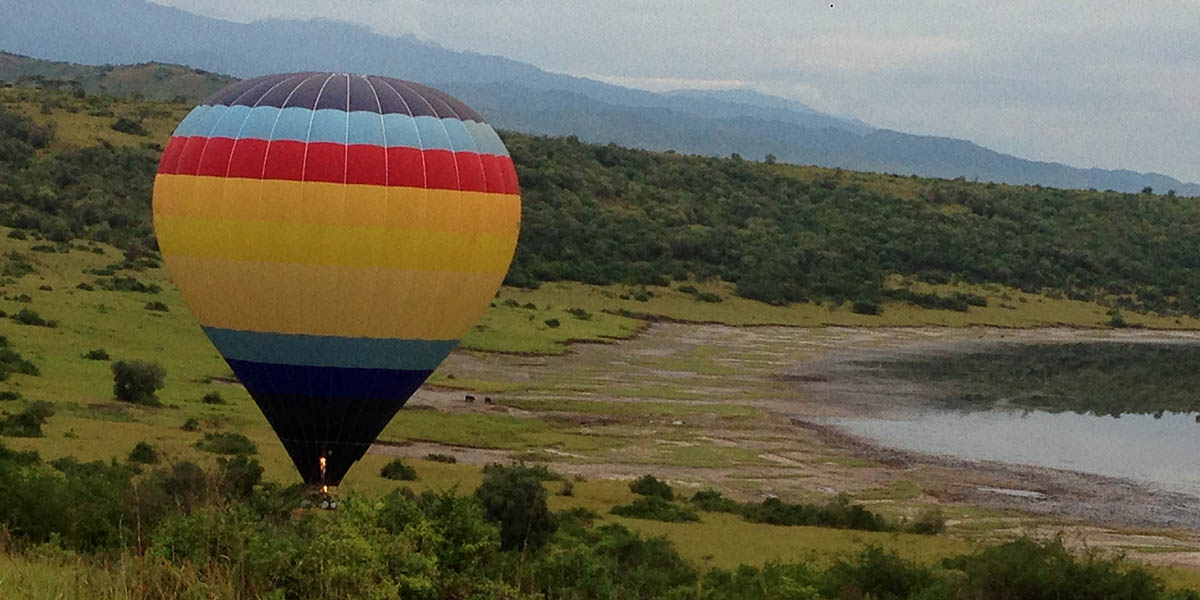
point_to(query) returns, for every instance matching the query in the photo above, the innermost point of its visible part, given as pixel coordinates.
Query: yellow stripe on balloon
(340, 245)
(333, 301)
(336, 204)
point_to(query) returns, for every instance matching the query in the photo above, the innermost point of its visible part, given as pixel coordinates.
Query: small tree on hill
(137, 381)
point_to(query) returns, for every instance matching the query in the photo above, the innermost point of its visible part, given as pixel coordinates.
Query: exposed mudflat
(795, 378)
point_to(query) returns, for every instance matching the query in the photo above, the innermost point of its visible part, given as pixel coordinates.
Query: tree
(515, 498)
(137, 381)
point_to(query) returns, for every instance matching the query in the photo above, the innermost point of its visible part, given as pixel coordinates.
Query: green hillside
(153, 80)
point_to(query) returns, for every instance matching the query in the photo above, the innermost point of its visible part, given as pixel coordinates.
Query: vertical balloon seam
(445, 276)
(272, 375)
(475, 241)
(387, 201)
(421, 144)
(345, 199)
(327, 390)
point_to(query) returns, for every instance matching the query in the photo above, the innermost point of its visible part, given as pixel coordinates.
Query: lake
(1163, 450)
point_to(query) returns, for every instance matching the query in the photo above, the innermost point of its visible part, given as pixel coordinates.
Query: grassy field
(668, 414)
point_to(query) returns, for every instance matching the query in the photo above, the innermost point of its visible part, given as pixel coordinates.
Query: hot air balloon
(335, 235)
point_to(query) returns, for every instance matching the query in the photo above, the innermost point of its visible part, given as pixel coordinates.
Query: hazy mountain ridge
(523, 97)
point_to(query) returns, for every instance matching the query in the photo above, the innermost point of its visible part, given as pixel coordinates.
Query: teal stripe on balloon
(330, 351)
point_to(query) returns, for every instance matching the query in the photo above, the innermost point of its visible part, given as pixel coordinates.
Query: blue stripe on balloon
(485, 138)
(269, 381)
(330, 351)
(331, 125)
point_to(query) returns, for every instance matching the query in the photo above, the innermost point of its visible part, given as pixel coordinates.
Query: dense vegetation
(1109, 378)
(605, 214)
(178, 530)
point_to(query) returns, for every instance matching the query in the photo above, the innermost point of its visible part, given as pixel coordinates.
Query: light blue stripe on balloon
(187, 127)
(330, 125)
(485, 138)
(365, 128)
(230, 122)
(433, 133)
(460, 138)
(330, 351)
(401, 131)
(259, 123)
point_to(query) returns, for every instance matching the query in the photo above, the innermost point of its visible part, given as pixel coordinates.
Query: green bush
(713, 501)
(552, 323)
(126, 125)
(931, 521)
(213, 398)
(138, 381)
(226, 443)
(656, 509)
(237, 476)
(27, 423)
(12, 362)
(143, 453)
(157, 307)
(514, 497)
(97, 354)
(396, 470)
(580, 314)
(9, 396)
(30, 317)
(190, 425)
(866, 307)
(541, 472)
(442, 458)
(648, 485)
(16, 234)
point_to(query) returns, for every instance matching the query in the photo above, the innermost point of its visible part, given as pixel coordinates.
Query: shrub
(213, 398)
(688, 289)
(396, 470)
(9, 396)
(709, 297)
(27, 423)
(866, 307)
(97, 354)
(442, 458)
(552, 323)
(30, 317)
(713, 501)
(157, 307)
(127, 125)
(567, 489)
(137, 381)
(12, 362)
(237, 476)
(190, 425)
(87, 287)
(580, 314)
(874, 573)
(143, 453)
(514, 497)
(226, 443)
(541, 472)
(648, 485)
(16, 234)
(656, 509)
(127, 284)
(929, 522)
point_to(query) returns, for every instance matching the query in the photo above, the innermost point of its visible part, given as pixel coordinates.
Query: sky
(1095, 83)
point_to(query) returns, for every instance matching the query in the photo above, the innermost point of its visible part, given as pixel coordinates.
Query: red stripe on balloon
(338, 163)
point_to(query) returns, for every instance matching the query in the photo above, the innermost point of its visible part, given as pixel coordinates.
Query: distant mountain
(521, 96)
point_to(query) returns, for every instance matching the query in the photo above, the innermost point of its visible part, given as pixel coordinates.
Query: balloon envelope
(336, 236)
